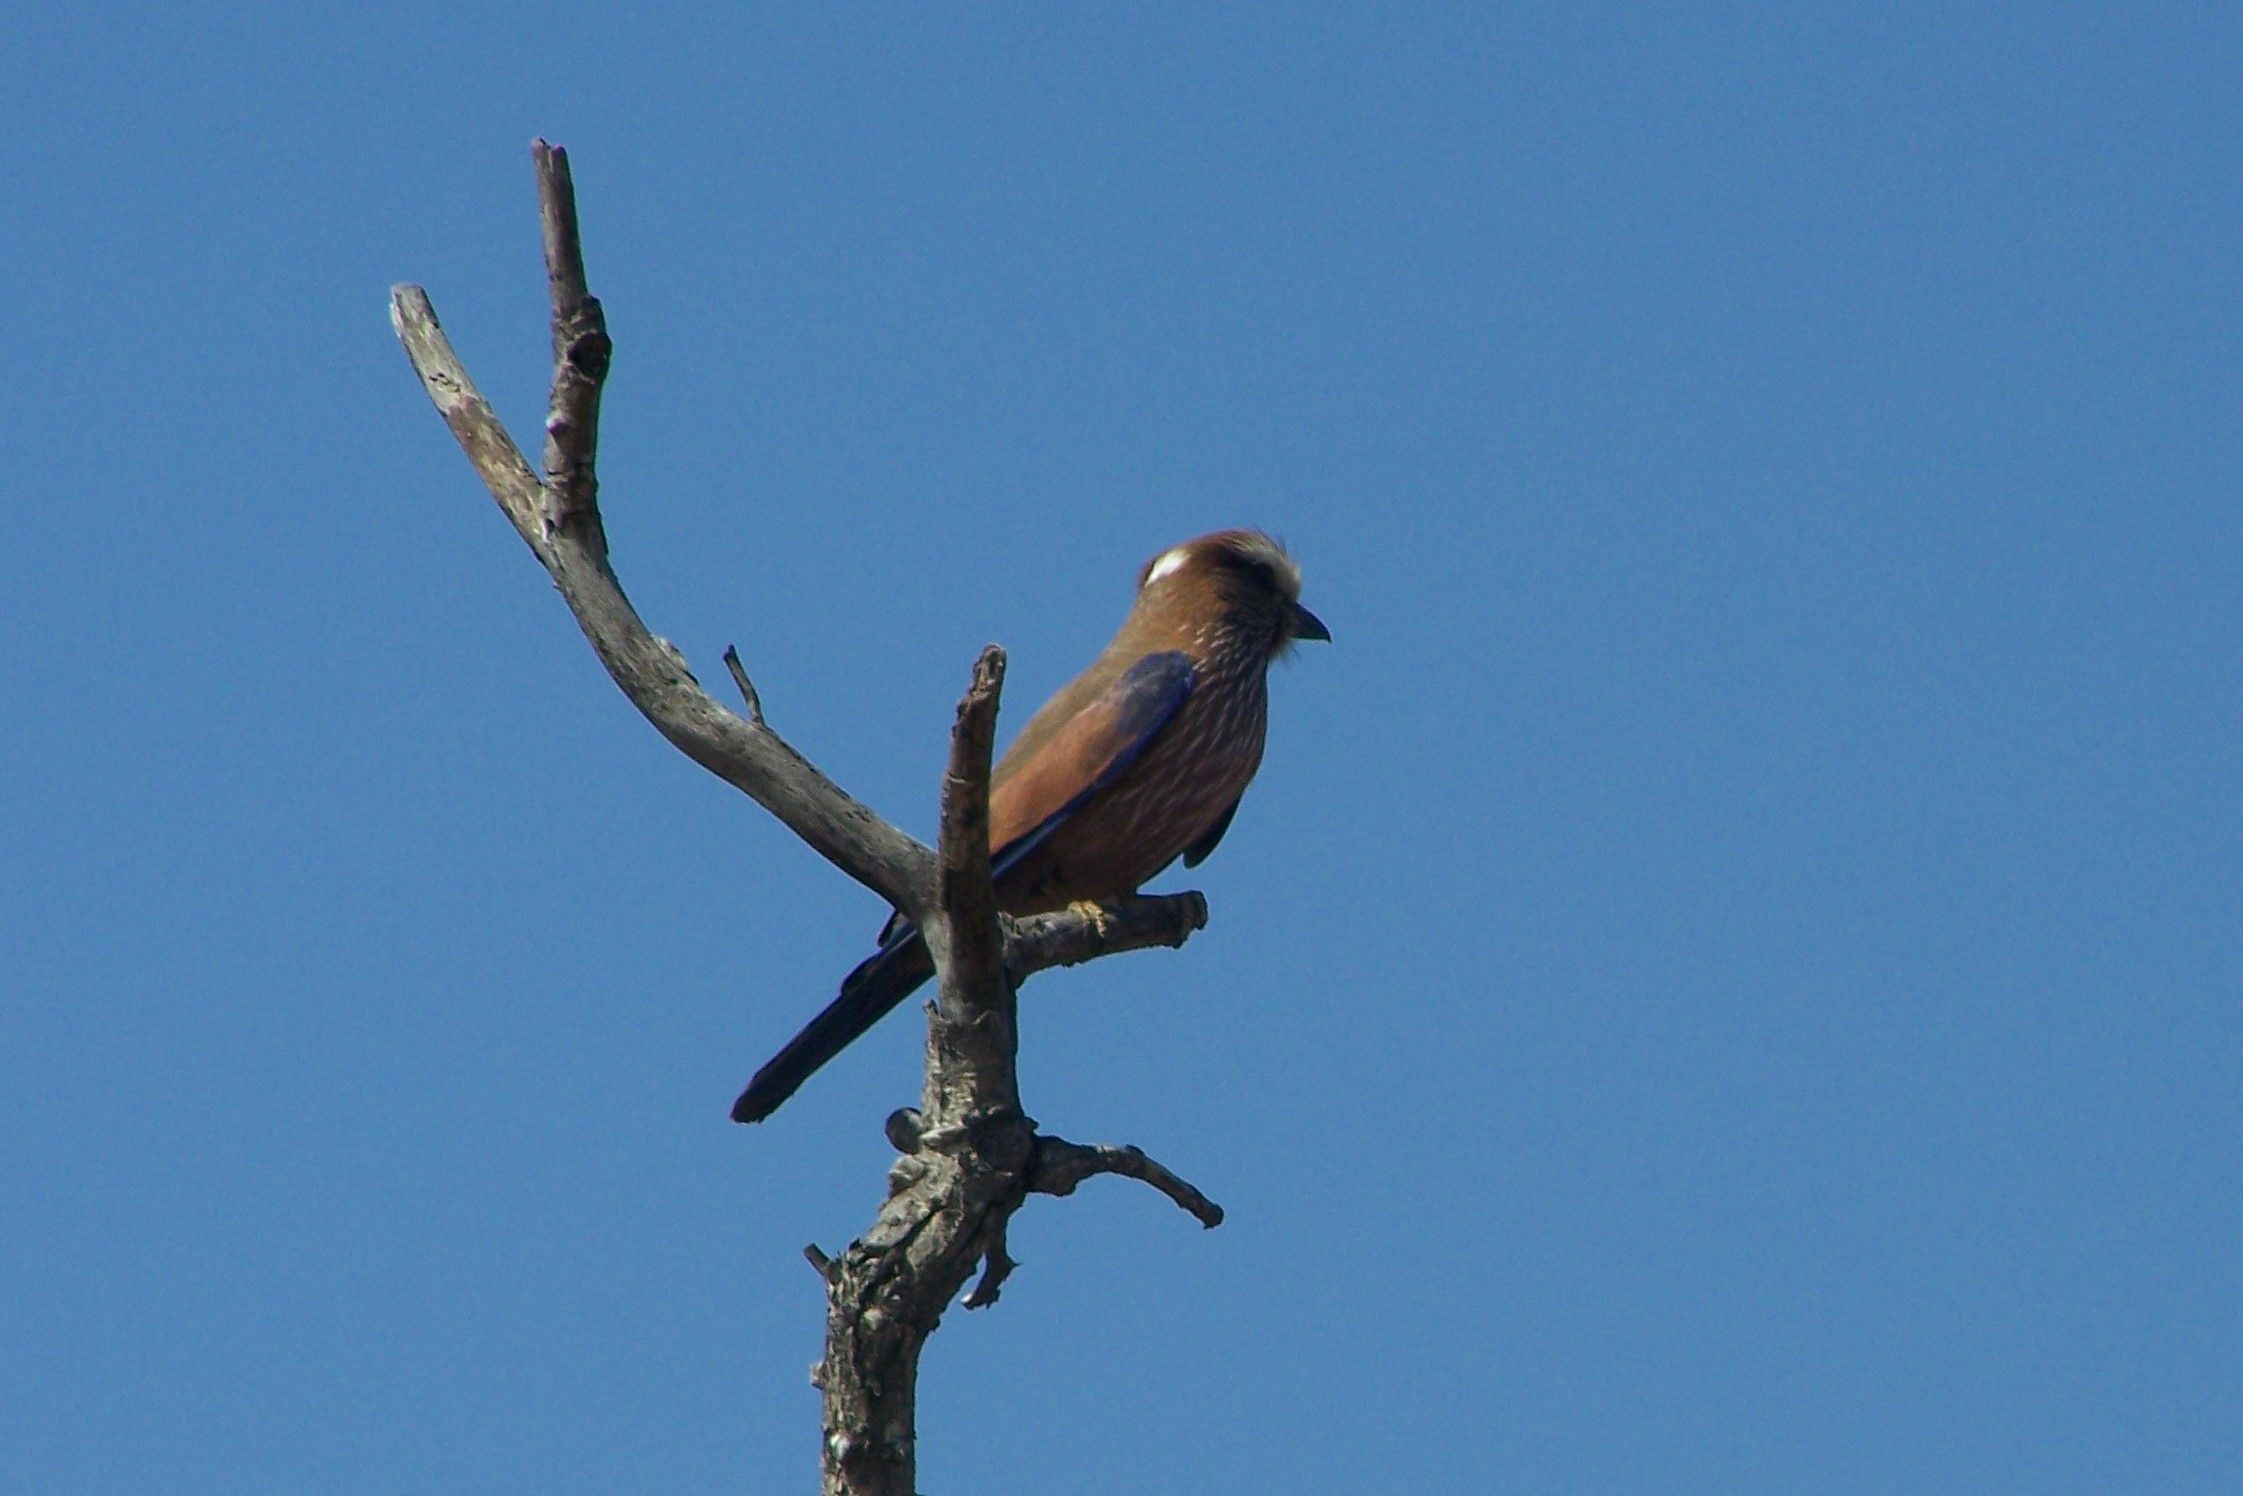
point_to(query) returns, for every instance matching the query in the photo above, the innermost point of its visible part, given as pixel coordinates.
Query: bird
(1139, 760)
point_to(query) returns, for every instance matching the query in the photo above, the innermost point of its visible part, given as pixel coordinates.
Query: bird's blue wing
(1107, 737)
(1096, 747)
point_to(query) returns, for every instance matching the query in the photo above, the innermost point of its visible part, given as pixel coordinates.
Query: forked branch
(972, 1156)
(559, 519)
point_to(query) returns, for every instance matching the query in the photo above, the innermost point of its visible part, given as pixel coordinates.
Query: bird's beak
(1307, 625)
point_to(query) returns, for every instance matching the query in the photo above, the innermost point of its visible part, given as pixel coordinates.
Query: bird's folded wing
(1095, 747)
(1196, 853)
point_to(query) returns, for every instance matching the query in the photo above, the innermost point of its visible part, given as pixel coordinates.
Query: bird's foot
(1090, 910)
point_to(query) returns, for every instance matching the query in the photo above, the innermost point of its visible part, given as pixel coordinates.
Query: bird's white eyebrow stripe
(1170, 561)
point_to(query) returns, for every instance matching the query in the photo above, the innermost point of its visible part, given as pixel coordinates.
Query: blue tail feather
(868, 994)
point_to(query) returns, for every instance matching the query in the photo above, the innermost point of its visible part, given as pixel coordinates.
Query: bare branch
(564, 249)
(753, 702)
(972, 1038)
(1060, 1165)
(997, 1266)
(492, 453)
(1073, 936)
(581, 351)
(561, 526)
(969, 901)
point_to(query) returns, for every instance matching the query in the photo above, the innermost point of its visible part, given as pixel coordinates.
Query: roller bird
(1139, 760)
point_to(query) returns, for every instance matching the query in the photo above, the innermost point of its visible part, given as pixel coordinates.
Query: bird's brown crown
(1246, 556)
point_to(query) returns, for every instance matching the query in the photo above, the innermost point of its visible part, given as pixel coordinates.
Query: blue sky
(1727, 980)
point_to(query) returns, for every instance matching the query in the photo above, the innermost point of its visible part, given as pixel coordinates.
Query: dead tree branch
(559, 519)
(1060, 1165)
(971, 1154)
(1071, 937)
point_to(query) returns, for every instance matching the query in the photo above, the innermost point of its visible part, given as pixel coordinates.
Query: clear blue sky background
(1727, 982)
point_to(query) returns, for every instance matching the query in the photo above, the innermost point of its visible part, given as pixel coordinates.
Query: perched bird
(1137, 761)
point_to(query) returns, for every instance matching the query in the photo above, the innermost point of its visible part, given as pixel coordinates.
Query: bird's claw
(1092, 912)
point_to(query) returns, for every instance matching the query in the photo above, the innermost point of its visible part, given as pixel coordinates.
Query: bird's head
(1236, 584)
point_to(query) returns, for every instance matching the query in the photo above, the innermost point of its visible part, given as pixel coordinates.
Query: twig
(969, 901)
(1071, 937)
(997, 1266)
(581, 353)
(753, 702)
(1060, 1166)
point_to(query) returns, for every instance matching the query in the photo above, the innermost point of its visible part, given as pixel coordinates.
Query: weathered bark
(972, 1155)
